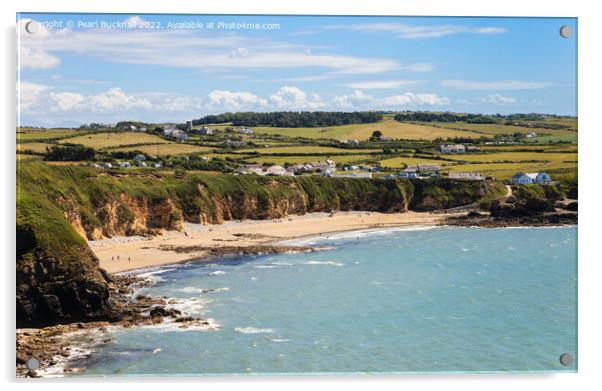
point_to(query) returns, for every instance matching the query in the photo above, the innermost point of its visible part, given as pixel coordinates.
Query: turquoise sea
(425, 299)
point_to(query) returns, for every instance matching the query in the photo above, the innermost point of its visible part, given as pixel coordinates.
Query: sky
(83, 68)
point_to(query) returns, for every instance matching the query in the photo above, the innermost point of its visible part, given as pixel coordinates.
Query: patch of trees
(72, 153)
(290, 119)
(427, 116)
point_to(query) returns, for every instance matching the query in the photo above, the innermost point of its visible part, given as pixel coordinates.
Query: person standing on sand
(129, 259)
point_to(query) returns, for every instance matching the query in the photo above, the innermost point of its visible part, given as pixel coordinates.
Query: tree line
(292, 119)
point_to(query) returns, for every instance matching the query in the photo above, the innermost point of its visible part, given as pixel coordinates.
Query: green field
(497, 129)
(34, 147)
(400, 162)
(115, 139)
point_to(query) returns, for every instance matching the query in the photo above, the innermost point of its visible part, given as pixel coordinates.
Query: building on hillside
(533, 178)
(141, 164)
(205, 131)
(139, 158)
(357, 175)
(432, 168)
(248, 131)
(188, 125)
(386, 138)
(466, 176)
(107, 165)
(354, 143)
(472, 148)
(452, 148)
(251, 169)
(409, 173)
(331, 163)
(124, 164)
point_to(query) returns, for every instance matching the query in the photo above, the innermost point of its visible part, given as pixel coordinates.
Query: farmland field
(306, 159)
(166, 149)
(388, 127)
(513, 156)
(107, 140)
(35, 147)
(400, 162)
(493, 129)
(27, 134)
(308, 149)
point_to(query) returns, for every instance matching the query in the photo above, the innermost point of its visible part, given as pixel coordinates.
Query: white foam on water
(253, 330)
(217, 273)
(331, 263)
(194, 289)
(265, 267)
(157, 350)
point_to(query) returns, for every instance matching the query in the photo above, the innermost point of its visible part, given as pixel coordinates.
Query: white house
(157, 165)
(466, 176)
(452, 148)
(331, 163)
(108, 165)
(124, 164)
(246, 130)
(537, 178)
(355, 143)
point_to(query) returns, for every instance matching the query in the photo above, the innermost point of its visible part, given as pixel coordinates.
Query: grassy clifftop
(58, 278)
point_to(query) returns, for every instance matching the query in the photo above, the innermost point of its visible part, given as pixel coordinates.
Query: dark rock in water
(185, 319)
(158, 311)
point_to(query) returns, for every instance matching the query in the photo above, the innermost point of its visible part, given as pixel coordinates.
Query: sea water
(438, 299)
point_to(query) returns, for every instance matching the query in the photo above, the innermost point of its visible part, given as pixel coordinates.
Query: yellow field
(167, 149)
(308, 149)
(493, 129)
(513, 157)
(400, 162)
(388, 127)
(26, 134)
(35, 147)
(108, 140)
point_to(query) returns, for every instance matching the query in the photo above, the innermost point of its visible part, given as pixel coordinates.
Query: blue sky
(154, 68)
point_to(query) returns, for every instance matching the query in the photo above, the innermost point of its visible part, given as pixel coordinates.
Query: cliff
(58, 208)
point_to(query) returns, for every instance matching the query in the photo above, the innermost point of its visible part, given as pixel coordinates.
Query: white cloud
(418, 67)
(494, 85)
(361, 101)
(42, 104)
(409, 31)
(499, 99)
(380, 84)
(219, 100)
(293, 98)
(36, 59)
(188, 49)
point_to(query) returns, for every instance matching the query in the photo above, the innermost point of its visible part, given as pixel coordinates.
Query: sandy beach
(120, 254)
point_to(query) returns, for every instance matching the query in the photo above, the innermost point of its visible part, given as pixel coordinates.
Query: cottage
(157, 165)
(354, 143)
(248, 131)
(466, 176)
(534, 178)
(139, 158)
(386, 138)
(452, 148)
(531, 135)
(205, 131)
(124, 164)
(108, 165)
(428, 168)
(189, 125)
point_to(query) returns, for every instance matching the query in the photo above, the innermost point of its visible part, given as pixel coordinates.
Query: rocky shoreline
(54, 346)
